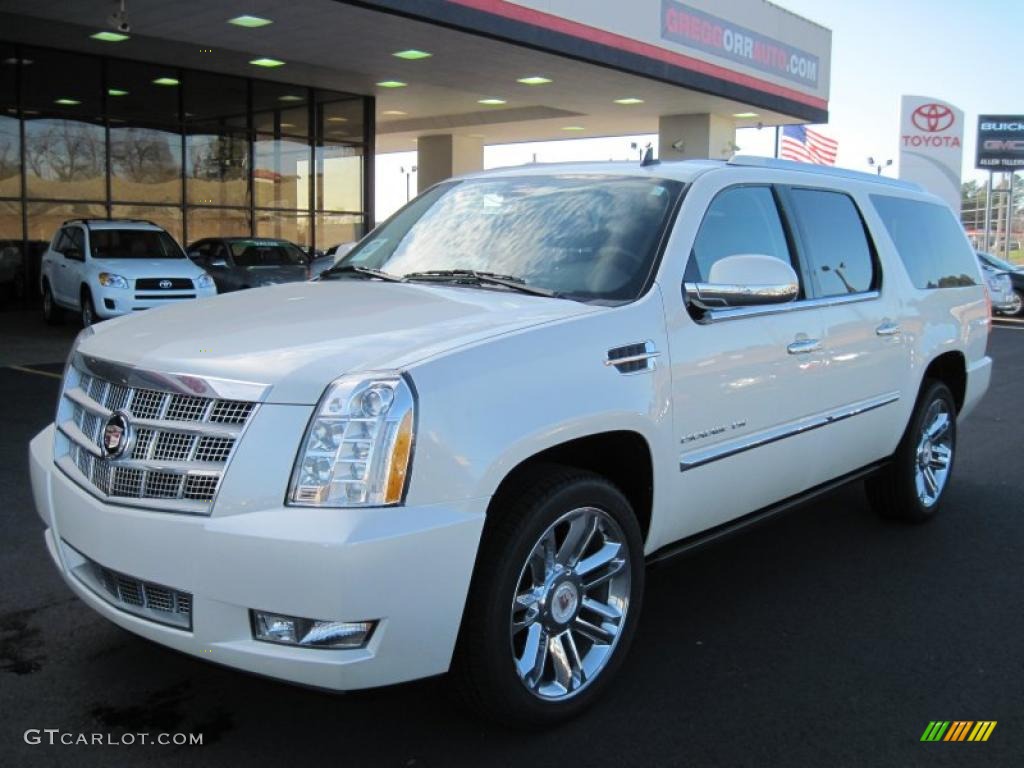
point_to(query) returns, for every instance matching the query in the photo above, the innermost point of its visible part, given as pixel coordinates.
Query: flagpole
(776, 142)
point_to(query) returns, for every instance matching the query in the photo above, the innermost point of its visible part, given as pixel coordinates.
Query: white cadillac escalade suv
(459, 448)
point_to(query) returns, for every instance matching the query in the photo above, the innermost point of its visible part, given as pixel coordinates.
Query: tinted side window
(740, 220)
(77, 239)
(833, 242)
(930, 242)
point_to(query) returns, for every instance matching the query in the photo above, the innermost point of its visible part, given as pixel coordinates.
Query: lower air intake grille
(155, 602)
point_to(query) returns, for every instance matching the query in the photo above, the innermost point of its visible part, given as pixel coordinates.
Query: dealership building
(260, 117)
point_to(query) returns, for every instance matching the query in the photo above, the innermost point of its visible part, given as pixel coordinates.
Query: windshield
(266, 253)
(587, 237)
(133, 244)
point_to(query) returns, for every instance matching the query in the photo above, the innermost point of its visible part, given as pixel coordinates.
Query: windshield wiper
(473, 277)
(351, 269)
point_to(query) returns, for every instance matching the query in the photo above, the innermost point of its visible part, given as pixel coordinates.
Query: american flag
(806, 146)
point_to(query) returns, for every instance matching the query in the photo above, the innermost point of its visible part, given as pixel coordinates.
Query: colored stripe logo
(958, 730)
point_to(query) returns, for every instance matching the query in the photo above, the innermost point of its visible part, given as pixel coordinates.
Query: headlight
(357, 447)
(108, 280)
(204, 281)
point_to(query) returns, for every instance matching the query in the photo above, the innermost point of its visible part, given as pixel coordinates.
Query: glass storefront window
(166, 216)
(220, 100)
(217, 222)
(339, 119)
(65, 159)
(281, 173)
(133, 97)
(45, 218)
(284, 225)
(337, 228)
(10, 156)
(145, 165)
(339, 177)
(217, 169)
(10, 223)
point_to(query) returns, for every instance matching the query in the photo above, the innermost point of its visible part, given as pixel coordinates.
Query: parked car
(458, 449)
(103, 268)
(250, 262)
(1013, 304)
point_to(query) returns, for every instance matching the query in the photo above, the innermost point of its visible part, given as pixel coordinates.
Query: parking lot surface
(827, 637)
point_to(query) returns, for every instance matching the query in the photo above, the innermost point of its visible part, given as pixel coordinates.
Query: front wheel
(52, 314)
(913, 486)
(88, 309)
(1017, 308)
(554, 601)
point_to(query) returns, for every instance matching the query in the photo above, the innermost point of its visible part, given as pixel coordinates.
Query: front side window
(133, 244)
(833, 242)
(930, 242)
(585, 237)
(739, 221)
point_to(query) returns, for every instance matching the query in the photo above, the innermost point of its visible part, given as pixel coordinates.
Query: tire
(52, 313)
(88, 309)
(903, 490)
(521, 610)
(1018, 310)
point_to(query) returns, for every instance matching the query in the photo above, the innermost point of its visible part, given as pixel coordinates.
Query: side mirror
(745, 280)
(219, 263)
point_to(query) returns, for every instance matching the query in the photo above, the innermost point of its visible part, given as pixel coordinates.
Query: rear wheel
(913, 486)
(554, 601)
(52, 314)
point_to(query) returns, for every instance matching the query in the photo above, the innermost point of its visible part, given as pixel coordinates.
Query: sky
(881, 49)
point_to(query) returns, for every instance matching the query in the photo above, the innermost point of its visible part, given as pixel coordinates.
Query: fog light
(310, 633)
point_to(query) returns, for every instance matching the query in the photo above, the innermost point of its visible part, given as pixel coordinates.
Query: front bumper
(114, 302)
(407, 568)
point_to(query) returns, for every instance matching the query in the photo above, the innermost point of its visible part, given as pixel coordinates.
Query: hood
(136, 268)
(275, 273)
(298, 337)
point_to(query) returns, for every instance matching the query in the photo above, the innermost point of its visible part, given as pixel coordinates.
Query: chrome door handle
(887, 329)
(804, 346)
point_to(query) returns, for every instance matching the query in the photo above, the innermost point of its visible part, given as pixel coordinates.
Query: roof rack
(820, 170)
(80, 220)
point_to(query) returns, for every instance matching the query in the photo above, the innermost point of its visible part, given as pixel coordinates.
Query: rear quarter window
(930, 242)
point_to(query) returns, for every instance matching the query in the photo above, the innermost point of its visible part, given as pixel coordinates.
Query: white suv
(102, 268)
(459, 448)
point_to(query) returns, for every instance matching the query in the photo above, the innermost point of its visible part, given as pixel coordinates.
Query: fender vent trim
(638, 357)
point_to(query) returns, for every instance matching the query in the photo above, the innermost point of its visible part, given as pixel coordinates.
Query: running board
(731, 528)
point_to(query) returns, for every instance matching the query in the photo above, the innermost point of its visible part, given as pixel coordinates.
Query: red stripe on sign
(515, 12)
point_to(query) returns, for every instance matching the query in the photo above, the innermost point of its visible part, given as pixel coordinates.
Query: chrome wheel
(1017, 307)
(570, 604)
(934, 455)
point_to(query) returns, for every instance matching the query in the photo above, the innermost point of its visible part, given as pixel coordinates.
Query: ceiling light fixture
(267, 62)
(67, 102)
(249, 22)
(412, 54)
(116, 92)
(491, 102)
(391, 84)
(573, 128)
(166, 81)
(337, 119)
(534, 80)
(108, 37)
(744, 115)
(289, 97)
(629, 100)
(393, 112)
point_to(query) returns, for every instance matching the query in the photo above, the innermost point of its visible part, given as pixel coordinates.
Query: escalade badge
(116, 435)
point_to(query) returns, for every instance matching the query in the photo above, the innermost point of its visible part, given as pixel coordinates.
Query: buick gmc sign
(689, 27)
(1000, 142)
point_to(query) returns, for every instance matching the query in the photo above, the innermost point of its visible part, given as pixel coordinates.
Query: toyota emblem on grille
(116, 435)
(166, 284)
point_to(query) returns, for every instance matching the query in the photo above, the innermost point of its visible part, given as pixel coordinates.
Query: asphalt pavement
(827, 637)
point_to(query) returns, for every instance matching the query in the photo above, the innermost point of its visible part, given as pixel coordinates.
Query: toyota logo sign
(933, 118)
(166, 284)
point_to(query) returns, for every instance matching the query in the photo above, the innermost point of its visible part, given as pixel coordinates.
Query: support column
(442, 156)
(701, 136)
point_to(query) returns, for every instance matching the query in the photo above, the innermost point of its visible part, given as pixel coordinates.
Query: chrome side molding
(699, 458)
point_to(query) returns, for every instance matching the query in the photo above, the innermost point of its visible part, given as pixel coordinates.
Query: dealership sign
(689, 27)
(931, 146)
(1000, 143)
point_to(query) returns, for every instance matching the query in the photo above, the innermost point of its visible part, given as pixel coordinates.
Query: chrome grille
(179, 447)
